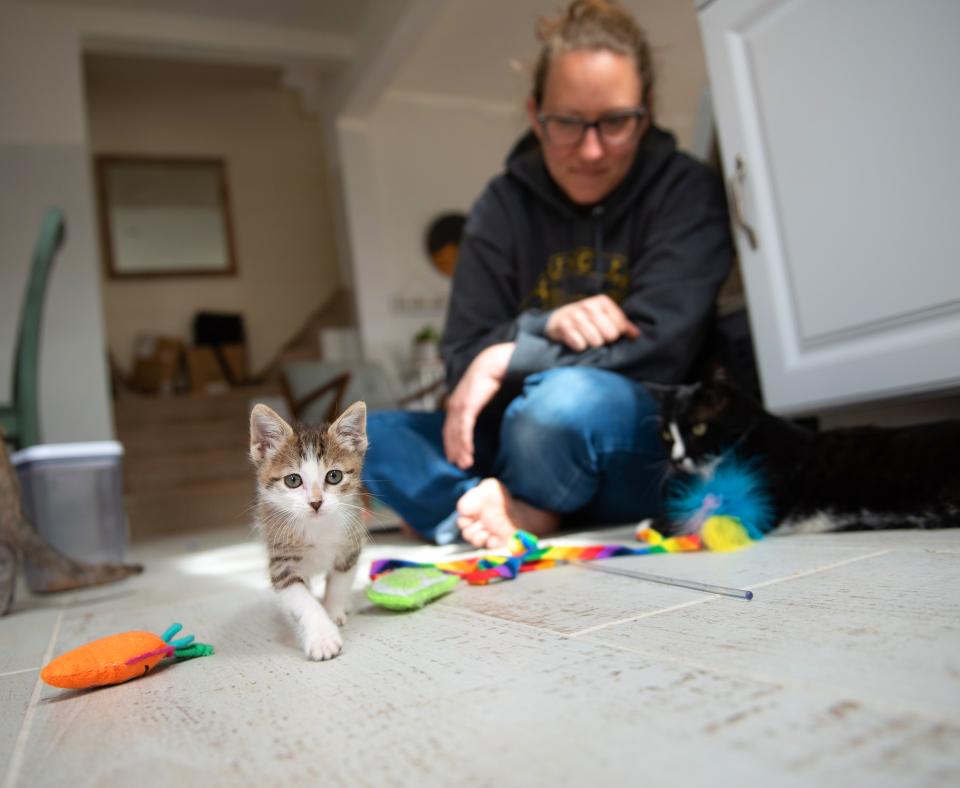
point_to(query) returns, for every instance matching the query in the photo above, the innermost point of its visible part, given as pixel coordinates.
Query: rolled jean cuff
(447, 531)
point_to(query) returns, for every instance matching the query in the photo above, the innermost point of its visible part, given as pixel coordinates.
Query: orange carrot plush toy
(119, 658)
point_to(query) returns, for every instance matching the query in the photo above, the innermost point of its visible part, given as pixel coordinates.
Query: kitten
(842, 479)
(308, 479)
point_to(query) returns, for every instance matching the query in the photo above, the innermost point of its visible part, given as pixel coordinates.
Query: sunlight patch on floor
(244, 563)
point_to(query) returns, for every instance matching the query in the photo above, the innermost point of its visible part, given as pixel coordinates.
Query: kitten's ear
(351, 427)
(267, 432)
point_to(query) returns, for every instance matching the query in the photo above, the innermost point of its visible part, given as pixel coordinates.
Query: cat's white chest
(324, 545)
(318, 559)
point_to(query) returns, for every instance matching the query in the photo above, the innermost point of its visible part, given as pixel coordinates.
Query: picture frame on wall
(165, 216)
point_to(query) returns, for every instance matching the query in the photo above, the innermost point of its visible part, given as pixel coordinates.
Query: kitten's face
(699, 422)
(307, 477)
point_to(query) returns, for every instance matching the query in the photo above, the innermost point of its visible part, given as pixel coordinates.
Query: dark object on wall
(20, 418)
(443, 241)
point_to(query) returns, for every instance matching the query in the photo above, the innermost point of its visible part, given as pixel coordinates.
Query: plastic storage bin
(73, 496)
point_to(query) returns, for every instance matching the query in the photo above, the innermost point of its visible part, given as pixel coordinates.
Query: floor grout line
(819, 569)
(19, 748)
(480, 614)
(642, 616)
(17, 672)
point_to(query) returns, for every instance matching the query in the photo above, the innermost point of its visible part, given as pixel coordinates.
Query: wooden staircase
(185, 460)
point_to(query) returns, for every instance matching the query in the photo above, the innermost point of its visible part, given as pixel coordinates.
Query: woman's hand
(476, 388)
(590, 322)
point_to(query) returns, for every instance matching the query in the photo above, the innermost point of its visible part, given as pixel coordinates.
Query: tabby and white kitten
(836, 480)
(308, 480)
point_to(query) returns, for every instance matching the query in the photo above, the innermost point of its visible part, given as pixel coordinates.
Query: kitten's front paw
(323, 643)
(338, 615)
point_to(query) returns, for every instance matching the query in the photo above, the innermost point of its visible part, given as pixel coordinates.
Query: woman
(590, 265)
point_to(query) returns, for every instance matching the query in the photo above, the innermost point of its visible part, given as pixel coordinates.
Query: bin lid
(45, 452)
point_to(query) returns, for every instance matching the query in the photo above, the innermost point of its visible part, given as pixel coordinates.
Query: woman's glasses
(616, 128)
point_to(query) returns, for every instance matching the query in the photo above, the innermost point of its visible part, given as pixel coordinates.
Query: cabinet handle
(738, 217)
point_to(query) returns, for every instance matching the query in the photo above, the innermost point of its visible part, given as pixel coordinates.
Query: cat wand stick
(709, 588)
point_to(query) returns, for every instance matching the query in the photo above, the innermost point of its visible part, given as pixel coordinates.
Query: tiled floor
(844, 670)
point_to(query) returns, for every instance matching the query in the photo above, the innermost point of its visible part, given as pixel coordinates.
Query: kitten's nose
(316, 505)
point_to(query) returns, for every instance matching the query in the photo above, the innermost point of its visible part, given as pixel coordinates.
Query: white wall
(43, 162)
(419, 159)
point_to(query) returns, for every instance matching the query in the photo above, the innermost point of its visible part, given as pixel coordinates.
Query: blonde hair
(596, 25)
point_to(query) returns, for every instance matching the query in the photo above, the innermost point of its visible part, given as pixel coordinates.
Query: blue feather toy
(735, 489)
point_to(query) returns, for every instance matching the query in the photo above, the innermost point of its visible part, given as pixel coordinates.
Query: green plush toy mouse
(410, 588)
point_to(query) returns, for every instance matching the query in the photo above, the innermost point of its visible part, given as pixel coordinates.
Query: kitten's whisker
(376, 498)
(351, 504)
(362, 509)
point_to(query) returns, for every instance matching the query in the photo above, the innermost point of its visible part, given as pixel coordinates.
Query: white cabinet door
(839, 126)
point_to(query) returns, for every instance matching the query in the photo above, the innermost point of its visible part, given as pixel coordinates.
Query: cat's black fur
(841, 479)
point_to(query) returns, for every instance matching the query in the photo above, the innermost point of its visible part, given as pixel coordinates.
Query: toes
(336, 611)
(323, 645)
(476, 535)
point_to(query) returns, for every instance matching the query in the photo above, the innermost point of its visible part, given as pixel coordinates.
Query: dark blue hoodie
(659, 245)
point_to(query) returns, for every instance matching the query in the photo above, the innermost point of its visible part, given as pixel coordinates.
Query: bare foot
(489, 516)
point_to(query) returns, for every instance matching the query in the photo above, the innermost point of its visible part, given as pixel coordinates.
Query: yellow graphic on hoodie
(571, 276)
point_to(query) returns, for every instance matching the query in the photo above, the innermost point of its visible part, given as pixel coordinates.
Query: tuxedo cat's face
(698, 423)
(307, 476)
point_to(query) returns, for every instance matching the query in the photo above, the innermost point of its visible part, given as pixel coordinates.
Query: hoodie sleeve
(675, 278)
(484, 302)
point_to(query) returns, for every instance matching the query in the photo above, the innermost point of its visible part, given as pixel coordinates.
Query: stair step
(177, 439)
(186, 470)
(186, 465)
(216, 504)
(133, 410)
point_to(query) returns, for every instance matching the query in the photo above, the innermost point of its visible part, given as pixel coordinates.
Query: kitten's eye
(699, 429)
(334, 477)
(667, 437)
(292, 480)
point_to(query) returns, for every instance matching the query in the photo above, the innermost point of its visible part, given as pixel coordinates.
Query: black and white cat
(842, 479)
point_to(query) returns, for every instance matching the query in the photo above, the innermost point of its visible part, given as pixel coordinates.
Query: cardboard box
(157, 364)
(206, 370)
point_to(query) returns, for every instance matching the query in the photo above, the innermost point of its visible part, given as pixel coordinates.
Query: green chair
(20, 419)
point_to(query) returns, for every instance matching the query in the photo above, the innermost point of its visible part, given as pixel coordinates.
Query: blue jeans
(577, 441)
